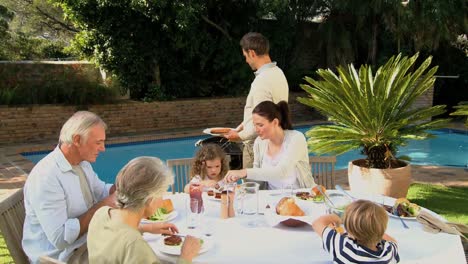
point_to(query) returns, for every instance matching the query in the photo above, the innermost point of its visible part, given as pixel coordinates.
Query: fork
(403, 222)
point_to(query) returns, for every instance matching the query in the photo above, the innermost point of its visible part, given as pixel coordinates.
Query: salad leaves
(160, 215)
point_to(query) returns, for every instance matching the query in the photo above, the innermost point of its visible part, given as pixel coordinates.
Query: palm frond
(371, 110)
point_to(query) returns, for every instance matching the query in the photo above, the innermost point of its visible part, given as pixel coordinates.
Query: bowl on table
(338, 203)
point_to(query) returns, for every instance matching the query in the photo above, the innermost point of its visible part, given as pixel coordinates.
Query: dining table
(258, 239)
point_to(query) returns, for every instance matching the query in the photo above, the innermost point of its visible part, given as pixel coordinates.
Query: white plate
(169, 217)
(208, 130)
(175, 250)
(402, 217)
(414, 218)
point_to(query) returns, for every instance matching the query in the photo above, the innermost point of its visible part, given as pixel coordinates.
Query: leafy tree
(5, 16)
(166, 46)
(40, 18)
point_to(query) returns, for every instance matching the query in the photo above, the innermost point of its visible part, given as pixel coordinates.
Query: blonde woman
(115, 234)
(365, 240)
(211, 164)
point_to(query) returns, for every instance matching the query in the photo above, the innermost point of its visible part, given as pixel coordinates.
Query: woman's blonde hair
(365, 221)
(209, 152)
(142, 179)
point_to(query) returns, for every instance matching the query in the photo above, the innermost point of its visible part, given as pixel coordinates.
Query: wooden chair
(181, 169)
(49, 260)
(12, 216)
(323, 170)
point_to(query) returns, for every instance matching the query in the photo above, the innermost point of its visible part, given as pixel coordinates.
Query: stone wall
(39, 123)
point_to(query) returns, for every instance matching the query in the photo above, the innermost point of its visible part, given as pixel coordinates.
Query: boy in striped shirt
(365, 240)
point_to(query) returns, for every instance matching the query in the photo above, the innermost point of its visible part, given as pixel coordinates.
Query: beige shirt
(270, 84)
(111, 241)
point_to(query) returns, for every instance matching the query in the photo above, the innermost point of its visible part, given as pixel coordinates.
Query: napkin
(434, 225)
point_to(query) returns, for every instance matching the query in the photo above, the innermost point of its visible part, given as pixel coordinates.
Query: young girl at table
(365, 240)
(211, 164)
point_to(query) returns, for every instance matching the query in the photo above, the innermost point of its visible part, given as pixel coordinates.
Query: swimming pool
(449, 148)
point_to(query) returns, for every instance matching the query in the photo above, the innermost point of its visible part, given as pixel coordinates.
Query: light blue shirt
(53, 201)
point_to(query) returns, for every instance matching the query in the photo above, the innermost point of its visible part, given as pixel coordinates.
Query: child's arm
(323, 221)
(187, 188)
(388, 238)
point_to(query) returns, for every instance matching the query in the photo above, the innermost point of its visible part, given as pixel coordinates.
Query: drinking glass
(288, 190)
(239, 200)
(250, 200)
(193, 213)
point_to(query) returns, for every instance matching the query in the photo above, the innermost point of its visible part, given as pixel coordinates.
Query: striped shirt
(346, 250)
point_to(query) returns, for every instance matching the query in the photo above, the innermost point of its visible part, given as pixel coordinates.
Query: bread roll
(288, 207)
(167, 204)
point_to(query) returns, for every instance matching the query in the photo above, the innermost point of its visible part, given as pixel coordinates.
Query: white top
(270, 84)
(53, 203)
(273, 161)
(295, 158)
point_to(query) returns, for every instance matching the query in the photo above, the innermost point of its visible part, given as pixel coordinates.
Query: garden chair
(323, 170)
(181, 169)
(49, 260)
(12, 216)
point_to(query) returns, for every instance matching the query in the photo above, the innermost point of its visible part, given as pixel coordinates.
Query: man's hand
(109, 201)
(159, 228)
(232, 135)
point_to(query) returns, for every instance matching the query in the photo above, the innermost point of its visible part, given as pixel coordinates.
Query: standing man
(62, 192)
(269, 84)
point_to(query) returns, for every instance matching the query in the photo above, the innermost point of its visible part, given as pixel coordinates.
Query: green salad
(160, 215)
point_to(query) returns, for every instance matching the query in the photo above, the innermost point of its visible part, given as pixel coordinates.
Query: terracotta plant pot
(389, 182)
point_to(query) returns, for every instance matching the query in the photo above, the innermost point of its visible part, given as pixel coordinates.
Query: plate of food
(217, 131)
(163, 214)
(172, 244)
(403, 209)
(214, 195)
(314, 195)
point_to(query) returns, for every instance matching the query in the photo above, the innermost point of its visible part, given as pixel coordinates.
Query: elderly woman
(280, 153)
(115, 234)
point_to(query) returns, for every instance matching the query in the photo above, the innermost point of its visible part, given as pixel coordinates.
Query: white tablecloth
(236, 242)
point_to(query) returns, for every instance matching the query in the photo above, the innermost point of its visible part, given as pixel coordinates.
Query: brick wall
(43, 122)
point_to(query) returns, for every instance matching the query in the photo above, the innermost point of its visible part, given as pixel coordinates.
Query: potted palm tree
(376, 113)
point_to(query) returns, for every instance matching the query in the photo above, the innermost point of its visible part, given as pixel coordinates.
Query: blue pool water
(449, 148)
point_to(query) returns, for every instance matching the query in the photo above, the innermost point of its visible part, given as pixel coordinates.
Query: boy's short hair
(365, 221)
(256, 42)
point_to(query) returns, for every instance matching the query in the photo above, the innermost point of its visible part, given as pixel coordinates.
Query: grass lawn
(450, 202)
(4, 253)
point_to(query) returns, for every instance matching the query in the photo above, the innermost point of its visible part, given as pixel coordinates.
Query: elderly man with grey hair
(63, 192)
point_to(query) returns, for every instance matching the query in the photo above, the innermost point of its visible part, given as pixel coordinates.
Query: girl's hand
(190, 248)
(209, 183)
(159, 228)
